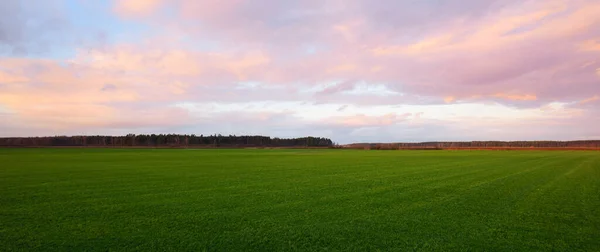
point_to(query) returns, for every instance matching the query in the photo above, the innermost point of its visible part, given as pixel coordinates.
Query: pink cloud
(524, 54)
(591, 45)
(589, 101)
(136, 8)
(337, 88)
(361, 120)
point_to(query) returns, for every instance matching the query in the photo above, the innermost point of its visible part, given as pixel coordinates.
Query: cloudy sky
(351, 70)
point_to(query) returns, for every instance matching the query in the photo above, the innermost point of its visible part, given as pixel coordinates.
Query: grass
(285, 200)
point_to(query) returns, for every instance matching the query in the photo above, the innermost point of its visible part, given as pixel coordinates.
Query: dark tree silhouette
(166, 140)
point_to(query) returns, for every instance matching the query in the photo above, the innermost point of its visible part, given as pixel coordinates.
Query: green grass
(285, 200)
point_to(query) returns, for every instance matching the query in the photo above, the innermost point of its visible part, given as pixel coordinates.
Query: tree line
(172, 140)
(478, 144)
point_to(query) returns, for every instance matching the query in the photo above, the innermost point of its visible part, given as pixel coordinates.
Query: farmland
(286, 199)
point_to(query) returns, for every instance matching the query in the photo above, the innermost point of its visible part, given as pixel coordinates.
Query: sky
(350, 70)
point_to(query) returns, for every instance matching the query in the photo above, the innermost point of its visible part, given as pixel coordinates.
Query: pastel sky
(351, 70)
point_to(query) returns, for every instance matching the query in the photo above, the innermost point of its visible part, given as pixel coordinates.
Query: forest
(165, 140)
(233, 141)
(477, 144)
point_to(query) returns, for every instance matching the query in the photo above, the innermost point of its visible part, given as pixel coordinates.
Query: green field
(285, 200)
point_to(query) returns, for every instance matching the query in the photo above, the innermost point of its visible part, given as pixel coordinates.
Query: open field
(232, 200)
